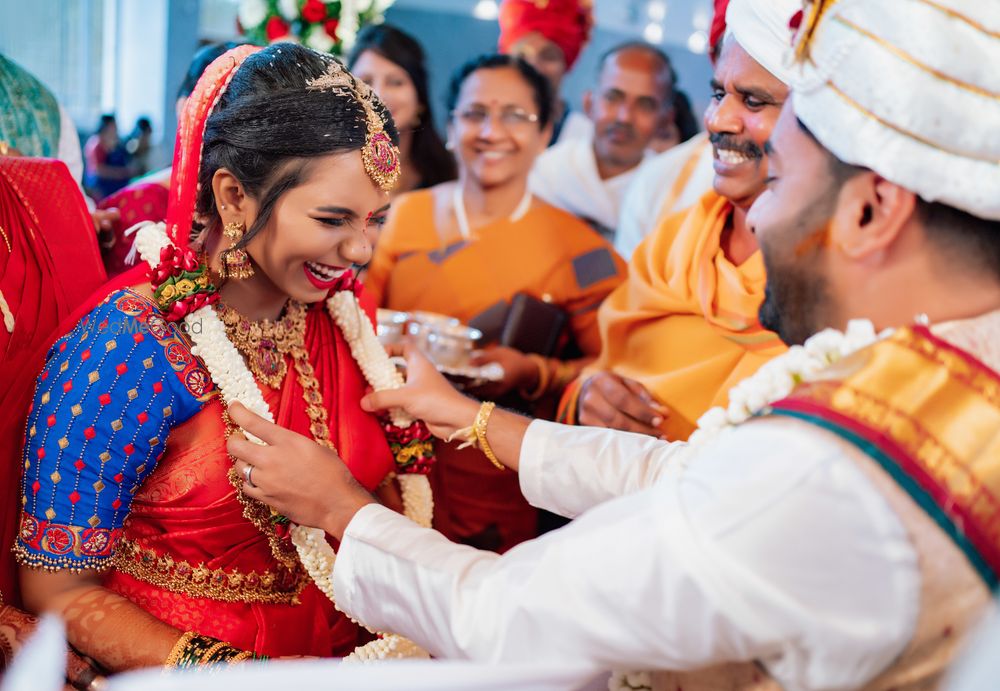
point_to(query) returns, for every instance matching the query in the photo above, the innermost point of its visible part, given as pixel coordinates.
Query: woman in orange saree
(135, 528)
(469, 249)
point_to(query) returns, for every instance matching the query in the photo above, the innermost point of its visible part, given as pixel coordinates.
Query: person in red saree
(49, 263)
(135, 528)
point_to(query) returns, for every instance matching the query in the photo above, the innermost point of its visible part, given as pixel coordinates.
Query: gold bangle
(175, 653)
(479, 427)
(242, 657)
(4, 148)
(544, 378)
(208, 656)
(565, 373)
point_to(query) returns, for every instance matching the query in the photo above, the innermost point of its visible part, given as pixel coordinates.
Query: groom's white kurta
(771, 545)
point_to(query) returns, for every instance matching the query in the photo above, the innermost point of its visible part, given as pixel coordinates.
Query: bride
(135, 527)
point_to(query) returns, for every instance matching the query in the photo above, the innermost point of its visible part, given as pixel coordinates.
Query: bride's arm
(104, 405)
(100, 624)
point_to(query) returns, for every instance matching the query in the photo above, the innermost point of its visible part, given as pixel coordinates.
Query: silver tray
(469, 375)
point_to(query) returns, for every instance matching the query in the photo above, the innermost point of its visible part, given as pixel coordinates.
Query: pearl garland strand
(234, 379)
(775, 380)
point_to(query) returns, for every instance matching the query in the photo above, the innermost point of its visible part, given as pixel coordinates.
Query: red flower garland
(176, 265)
(276, 28)
(314, 11)
(412, 446)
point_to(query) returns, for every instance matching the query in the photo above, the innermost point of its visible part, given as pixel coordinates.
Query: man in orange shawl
(683, 328)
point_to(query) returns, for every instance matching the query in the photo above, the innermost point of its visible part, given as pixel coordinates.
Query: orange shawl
(685, 324)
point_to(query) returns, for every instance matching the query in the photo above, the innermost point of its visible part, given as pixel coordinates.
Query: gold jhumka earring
(235, 260)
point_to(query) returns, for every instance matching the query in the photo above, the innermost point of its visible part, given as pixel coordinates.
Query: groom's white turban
(909, 89)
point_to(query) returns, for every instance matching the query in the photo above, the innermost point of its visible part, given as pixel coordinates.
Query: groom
(846, 536)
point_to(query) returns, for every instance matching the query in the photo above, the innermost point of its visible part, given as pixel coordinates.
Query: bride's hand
(427, 396)
(294, 475)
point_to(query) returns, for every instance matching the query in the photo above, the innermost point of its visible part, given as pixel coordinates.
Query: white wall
(137, 63)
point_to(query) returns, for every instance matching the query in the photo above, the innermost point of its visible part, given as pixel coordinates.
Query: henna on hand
(17, 626)
(114, 631)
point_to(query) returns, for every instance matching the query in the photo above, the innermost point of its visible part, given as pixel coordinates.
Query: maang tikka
(380, 155)
(235, 260)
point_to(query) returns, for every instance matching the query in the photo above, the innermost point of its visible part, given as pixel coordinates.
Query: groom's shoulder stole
(928, 413)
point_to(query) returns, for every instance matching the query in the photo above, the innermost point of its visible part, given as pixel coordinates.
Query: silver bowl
(444, 340)
(391, 326)
(432, 318)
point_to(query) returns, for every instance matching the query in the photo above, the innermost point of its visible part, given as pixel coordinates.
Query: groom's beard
(796, 298)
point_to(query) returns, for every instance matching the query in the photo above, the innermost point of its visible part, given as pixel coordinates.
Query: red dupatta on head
(190, 137)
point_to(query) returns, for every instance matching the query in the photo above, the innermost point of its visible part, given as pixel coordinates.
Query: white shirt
(770, 545)
(565, 175)
(653, 193)
(576, 126)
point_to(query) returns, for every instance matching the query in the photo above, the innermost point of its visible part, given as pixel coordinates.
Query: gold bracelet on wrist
(479, 428)
(174, 658)
(544, 378)
(564, 374)
(195, 650)
(216, 653)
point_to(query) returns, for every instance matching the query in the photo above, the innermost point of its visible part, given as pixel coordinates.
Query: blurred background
(127, 57)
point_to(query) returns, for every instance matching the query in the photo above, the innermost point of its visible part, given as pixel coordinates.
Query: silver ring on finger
(247, 470)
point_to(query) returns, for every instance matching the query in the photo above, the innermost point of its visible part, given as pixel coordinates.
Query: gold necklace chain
(265, 343)
(317, 412)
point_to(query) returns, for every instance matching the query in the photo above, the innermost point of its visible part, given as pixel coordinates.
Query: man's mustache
(620, 128)
(730, 142)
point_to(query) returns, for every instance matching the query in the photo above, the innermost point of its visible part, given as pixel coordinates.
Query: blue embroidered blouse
(108, 396)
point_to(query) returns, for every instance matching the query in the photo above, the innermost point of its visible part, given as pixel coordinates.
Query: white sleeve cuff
(362, 529)
(531, 464)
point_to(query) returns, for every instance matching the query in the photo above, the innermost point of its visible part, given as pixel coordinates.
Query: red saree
(193, 551)
(49, 263)
(190, 556)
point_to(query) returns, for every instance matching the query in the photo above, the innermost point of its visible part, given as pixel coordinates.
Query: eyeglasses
(511, 118)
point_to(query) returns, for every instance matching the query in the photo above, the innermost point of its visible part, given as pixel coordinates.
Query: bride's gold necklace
(265, 343)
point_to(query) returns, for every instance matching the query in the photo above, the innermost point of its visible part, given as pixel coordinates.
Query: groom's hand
(294, 475)
(427, 396)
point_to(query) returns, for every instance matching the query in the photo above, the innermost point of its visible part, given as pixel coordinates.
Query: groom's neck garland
(775, 380)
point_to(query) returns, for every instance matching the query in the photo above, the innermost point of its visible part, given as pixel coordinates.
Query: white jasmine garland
(319, 40)
(774, 381)
(236, 383)
(251, 13)
(289, 9)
